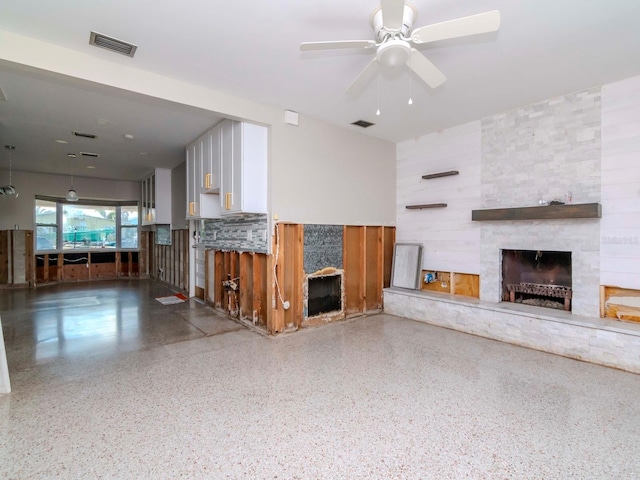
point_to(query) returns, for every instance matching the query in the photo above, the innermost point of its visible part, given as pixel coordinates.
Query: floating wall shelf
(439, 175)
(427, 205)
(549, 212)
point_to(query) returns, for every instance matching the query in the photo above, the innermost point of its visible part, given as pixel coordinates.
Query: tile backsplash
(244, 233)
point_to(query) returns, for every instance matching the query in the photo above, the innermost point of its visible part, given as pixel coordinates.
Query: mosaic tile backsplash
(243, 233)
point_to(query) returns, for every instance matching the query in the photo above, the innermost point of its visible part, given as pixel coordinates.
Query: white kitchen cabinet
(156, 197)
(244, 168)
(211, 161)
(199, 203)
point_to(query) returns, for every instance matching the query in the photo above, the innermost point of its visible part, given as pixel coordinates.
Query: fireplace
(537, 277)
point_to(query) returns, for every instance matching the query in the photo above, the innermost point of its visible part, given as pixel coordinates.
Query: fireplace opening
(325, 294)
(537, 277)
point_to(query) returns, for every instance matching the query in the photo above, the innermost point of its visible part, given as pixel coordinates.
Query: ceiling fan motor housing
(377, 23)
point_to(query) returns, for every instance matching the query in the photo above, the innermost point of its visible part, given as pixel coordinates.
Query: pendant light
(9, 189)
(72, 195)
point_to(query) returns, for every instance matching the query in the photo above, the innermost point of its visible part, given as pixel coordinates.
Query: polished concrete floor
(109, 383)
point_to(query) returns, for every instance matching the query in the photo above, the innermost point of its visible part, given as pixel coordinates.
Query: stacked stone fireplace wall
(544, 150)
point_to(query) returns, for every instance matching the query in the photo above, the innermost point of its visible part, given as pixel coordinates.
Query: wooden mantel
(548, 212)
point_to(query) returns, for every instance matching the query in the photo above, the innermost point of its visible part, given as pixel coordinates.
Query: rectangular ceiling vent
(363, 124)
(89, 154)
(84, 135)
(113, 44)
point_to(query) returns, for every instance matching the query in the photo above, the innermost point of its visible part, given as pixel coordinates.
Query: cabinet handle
(207, 181)
(192, 208)
(227, 201)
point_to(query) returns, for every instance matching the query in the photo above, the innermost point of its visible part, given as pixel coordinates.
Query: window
(87, 226)
(46, 225)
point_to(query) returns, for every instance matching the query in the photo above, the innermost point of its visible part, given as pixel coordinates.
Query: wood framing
(455, 283)
(267, 282)
(353, 260)
(620, 303)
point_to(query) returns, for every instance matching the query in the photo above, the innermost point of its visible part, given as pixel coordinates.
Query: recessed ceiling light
(144, 153)
(61, 141)
(71, 155)
(128, 136)
(90, 166)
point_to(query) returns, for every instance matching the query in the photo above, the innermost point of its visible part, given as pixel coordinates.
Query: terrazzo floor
(108, 383)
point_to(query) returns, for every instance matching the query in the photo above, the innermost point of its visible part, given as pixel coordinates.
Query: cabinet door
(237, 168)
(192, 185)
(211, 161)
(228, 168)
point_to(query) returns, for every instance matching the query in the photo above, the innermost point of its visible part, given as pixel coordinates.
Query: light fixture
(72, 195)
(9, 189)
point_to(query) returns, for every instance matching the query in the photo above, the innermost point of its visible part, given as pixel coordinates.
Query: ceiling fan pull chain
(378, 95)
(410, 102)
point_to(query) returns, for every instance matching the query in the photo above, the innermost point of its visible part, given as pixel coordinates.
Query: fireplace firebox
(537, 277)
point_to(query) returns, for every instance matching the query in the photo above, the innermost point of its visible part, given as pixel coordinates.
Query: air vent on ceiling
(84, 135)
(113, 44)
(89, 154)
(363, 124)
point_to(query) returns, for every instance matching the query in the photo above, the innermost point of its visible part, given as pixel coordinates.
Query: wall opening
(325, 294)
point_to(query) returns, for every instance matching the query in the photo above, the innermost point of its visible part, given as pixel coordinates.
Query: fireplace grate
(555, 291)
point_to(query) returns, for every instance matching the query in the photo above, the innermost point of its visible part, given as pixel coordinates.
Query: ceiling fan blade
(310, 46)
(392, 13)
(364, 78)
(426, 70)
(460, 27)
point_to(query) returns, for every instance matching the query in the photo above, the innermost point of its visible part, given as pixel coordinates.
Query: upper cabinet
(156, 197)
(200, 203)
(227, 171)
(244, 168)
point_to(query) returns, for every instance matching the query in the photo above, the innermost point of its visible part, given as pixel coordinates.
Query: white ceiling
(250, 49)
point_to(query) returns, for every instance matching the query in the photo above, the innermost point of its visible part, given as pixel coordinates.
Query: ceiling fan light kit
(392, 23)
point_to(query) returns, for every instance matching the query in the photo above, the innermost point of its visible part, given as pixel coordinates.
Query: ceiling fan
(392, 23)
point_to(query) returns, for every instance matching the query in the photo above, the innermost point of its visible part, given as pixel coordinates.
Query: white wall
(620, 225)
(451, 240)
(179, 197)
(325, 174)
(19, 211)
(318, 173)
